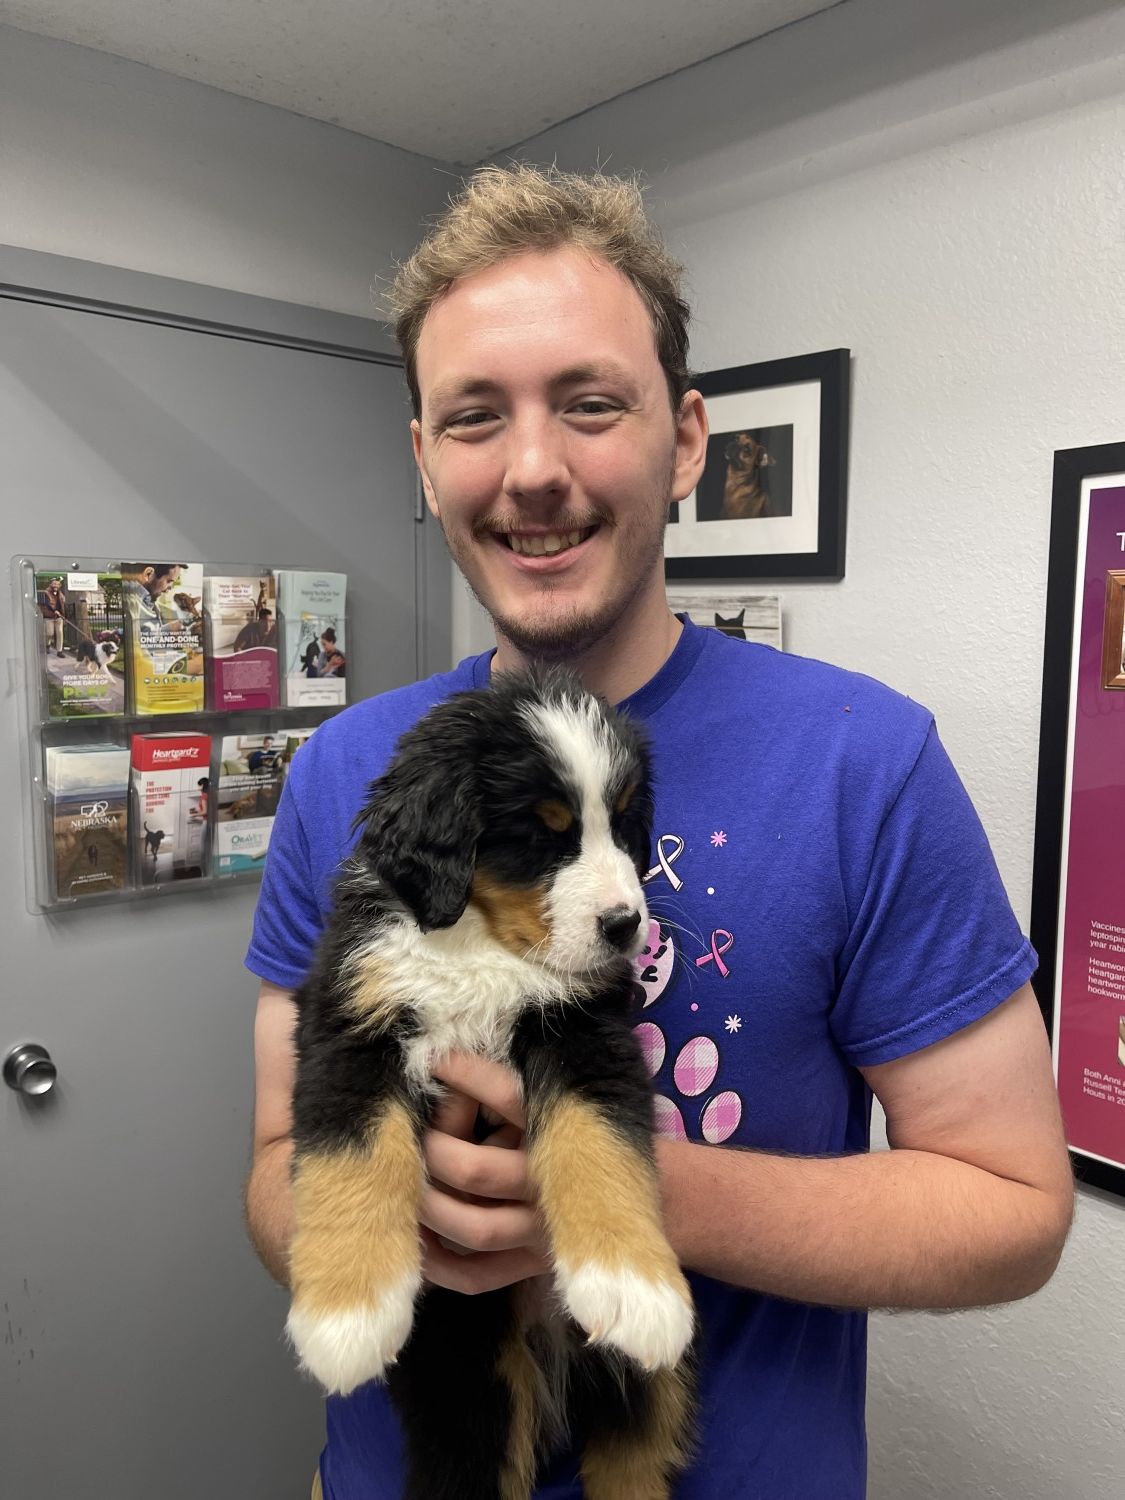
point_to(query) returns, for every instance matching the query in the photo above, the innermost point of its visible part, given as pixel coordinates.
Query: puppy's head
(531, 801)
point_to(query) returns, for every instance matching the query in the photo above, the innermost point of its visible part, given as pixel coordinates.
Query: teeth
(544, 546)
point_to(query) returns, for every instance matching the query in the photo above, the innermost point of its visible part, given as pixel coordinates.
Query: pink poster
(1089, 1010)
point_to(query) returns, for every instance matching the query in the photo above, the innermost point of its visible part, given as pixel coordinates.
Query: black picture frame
(807, 541)
(1072, 469)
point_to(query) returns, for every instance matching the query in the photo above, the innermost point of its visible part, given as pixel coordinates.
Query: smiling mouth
(547, 543)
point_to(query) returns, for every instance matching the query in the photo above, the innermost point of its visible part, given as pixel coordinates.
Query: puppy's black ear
(423, 819)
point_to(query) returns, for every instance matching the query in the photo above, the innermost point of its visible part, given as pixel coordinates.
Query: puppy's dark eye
(556, 815)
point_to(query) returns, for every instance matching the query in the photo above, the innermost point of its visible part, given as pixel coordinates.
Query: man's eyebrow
(471, 387)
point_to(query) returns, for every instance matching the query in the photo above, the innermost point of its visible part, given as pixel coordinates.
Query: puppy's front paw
(650, 1321)
(348, 1346)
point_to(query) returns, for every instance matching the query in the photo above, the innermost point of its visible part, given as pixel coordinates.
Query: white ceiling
(453, 79)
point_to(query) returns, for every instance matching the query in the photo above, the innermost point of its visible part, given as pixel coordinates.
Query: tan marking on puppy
(515, 915)
(642, 1465)
(371, 997)
(598, 1193)
(357, 1219)
(519, 1372)
(557, 816)
(625, 798)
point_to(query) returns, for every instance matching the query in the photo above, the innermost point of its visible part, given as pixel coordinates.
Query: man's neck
(623, 660)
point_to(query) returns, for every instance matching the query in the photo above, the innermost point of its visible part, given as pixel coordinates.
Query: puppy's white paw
(651, 1321)
(345, 1348)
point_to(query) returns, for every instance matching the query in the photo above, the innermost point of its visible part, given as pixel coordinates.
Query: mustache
(505, 525)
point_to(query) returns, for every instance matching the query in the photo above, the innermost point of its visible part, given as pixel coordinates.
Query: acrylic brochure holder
(130, 795)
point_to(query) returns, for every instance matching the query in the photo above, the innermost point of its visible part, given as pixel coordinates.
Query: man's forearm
(896, 1229)
(269, 1207)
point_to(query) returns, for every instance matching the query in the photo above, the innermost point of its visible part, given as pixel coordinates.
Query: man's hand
(479, 1197)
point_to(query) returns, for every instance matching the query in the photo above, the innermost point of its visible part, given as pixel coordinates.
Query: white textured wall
(977, 273)
(107, 160)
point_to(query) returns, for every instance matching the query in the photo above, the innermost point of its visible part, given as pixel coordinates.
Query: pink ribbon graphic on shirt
(664, 862)
(717, 950)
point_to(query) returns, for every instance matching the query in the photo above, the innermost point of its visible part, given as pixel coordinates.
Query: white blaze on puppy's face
(602, 878)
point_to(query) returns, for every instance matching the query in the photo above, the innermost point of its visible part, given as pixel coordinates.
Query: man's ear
(692, 430)
(422, 822)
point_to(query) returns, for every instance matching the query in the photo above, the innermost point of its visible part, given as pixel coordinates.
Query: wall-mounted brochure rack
(162, 706)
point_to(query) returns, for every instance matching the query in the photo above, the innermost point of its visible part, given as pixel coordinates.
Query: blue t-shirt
(823, 898)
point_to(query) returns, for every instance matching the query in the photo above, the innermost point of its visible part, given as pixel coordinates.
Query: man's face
(162, 582)
(547, 445)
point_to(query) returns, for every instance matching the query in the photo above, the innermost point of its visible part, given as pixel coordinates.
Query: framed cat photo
(772, 500)
(740, 613)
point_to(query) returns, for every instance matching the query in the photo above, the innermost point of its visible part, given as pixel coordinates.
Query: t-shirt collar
(656, 691)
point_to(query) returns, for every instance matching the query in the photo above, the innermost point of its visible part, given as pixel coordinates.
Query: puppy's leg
(355, 1259)
(465, 1388)
(589, 1111)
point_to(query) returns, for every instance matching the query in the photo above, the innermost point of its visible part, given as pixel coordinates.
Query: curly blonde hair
(504, 211)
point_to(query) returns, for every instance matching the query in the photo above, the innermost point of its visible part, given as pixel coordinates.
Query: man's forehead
(559, 317)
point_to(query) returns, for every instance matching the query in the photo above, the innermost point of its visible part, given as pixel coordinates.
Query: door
(141, 1350)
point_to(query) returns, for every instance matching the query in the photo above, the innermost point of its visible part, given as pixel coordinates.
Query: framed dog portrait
(772, 501)
(1078, 892)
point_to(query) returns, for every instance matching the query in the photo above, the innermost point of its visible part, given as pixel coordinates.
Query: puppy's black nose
(619, 925)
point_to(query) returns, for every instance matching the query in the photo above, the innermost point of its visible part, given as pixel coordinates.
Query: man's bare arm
(970, 1206)
(269, 1193)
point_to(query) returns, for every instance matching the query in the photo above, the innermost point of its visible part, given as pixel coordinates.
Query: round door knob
(29, 1069)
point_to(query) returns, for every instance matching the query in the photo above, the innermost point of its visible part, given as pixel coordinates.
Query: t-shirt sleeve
(934, 944)
(287, 919)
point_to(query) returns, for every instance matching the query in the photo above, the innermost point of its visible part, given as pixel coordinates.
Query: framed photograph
(1078, 891)
(1113, 637)
(772, 502)
(743, 614)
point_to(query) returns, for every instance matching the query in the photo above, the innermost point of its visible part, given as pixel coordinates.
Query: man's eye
(469, 419)
(594, 408)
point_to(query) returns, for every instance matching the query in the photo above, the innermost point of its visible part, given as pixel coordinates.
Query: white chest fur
(464, 989)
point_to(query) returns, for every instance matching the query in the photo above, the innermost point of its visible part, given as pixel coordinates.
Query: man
(52, 606)
(831, 923)
(265, 757)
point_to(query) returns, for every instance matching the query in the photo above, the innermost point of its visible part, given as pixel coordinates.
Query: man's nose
(537, 458)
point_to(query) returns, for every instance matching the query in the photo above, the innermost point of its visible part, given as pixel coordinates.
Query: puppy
(493, 904)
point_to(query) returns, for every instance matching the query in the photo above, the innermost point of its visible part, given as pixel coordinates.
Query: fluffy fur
(493, 905)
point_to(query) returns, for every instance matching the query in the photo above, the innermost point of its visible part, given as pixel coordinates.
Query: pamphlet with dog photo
(171, 785)
(312, 614)
(81, 643)
(242, 661)
(164, 604)
(251, 772)
(88, 788)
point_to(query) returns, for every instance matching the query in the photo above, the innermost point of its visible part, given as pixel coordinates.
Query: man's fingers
(484, 1171)
(473, 1274)
(489, 1082)
(490, 1227)
(456, 1115)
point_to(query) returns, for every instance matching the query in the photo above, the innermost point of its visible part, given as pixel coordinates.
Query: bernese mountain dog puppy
(493, 905)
